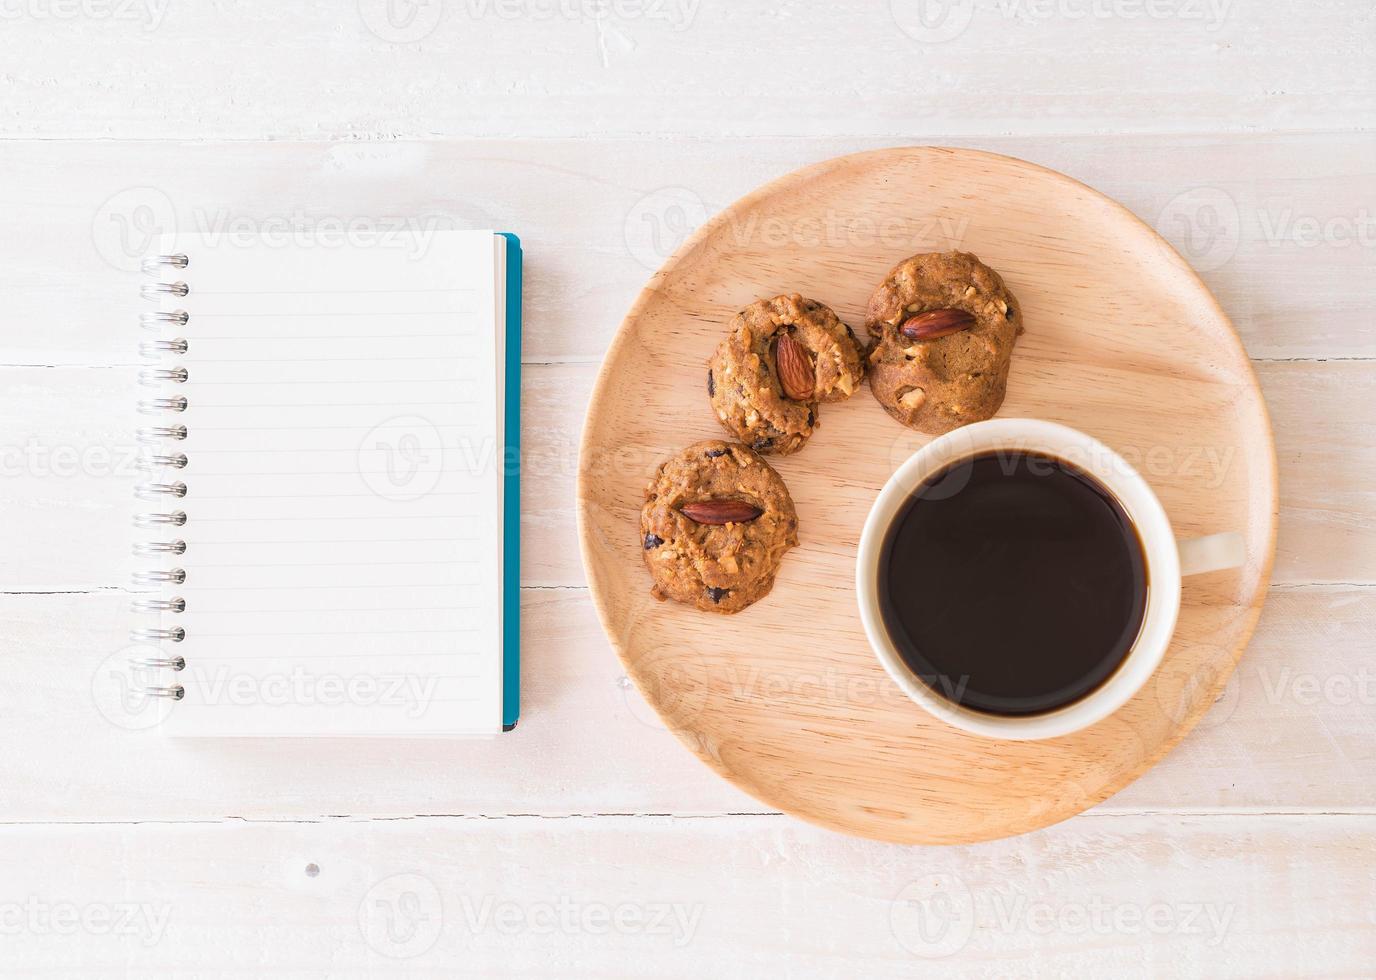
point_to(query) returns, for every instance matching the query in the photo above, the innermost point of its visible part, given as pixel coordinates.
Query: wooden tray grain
(786, 700)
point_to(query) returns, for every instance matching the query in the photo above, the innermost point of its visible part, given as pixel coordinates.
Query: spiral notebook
(329, 524)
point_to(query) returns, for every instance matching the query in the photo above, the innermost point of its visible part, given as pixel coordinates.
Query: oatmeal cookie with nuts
(942, 327)
(782, 357)
(716, 523)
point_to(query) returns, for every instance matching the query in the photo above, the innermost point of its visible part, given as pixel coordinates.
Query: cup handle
(1211, 553)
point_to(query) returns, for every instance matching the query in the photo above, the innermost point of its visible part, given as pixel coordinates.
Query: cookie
(942, 327)
(782, 357)
(716, 523)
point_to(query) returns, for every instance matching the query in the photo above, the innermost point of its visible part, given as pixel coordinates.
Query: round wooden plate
(786, 699)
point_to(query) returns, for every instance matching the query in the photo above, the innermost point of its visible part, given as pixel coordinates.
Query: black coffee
(1012, 583)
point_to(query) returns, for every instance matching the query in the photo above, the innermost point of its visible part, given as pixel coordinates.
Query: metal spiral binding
(156, 319)
(155, 458)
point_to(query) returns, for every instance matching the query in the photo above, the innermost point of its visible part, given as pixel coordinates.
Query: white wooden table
(589, 843)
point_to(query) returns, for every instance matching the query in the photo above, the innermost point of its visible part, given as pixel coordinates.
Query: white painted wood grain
(1321, 414)
(1294, 731)
(1276, 224)
(1121, 896)
(1295, 723)
(1281, 228)
(253, 69)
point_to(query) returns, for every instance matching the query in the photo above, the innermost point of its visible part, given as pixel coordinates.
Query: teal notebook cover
(511, 493)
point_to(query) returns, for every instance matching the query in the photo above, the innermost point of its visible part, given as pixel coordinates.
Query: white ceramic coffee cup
(1166, 559)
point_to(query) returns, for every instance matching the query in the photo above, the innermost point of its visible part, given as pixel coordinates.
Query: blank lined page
(344, 486)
